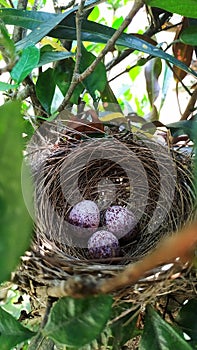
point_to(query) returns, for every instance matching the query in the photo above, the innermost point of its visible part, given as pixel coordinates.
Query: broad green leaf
(6, 86)
(45, 27)
(76, 322)
(11, 331)
(185, 8)
(6, 44)
(26, 63)
(42, 30)
(64, 28)
(25, 19)
(187, 319)
(63, 75)
(45, 89)
(15, 224)
(98, 78)
(52, 56)
(189, 35)
(159, 335)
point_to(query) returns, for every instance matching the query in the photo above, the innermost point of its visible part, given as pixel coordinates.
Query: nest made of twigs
(152, 180)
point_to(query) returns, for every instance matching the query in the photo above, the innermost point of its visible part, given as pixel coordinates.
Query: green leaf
(14, 220)
(45, 89)
(47, 57)
(6, 86)
(184, 127)
(185, 8)
(6, 44)
(109, 99)
(26, 63)
(95, 13)
(117, 22)
(64, 28)
(124, 328)
(152, 72)
(187, 319)
(45, 27)
(98, 78)
(63, 75)
(159, 335)
(42, 30)
(11, 331)
(76, 322)
(25, 19)
(4, 3)
(189, 35)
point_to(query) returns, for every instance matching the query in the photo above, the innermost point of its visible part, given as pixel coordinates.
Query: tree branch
(180, 245)
(18, 32)
(179, 248)
(138, 4)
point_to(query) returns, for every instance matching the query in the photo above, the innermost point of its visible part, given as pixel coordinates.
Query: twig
(19, 31)
(58, 8)
(75, 77)
(149, 33)
(25, 93)
(11, 3)
(180, 245)
(79, 78)
(79, 19)
(190, 106)
(38, 110)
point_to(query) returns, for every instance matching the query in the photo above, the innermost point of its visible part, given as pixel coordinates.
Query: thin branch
(138, 4)
(127, 70)
(180, 245)
(178, 249)
(18, 32)
(152, 30)
(79, 19)
(75, 77)
(11, 3)
(38, 110)
(58, 9)
(190, 106)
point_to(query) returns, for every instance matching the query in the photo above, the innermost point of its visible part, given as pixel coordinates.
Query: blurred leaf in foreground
(15, 224)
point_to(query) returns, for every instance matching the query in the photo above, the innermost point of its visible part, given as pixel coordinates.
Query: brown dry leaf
(182, 52)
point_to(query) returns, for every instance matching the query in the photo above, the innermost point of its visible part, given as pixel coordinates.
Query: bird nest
(109, 167)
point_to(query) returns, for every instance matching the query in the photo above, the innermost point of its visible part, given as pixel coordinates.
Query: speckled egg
(120, 221)
(85, 216)
(103, 244)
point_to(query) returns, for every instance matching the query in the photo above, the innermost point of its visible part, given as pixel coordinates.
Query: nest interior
(152, 180)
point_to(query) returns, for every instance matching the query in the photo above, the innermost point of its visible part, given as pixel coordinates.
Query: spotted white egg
(103, 244)
(85, 217)
(120, 221)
